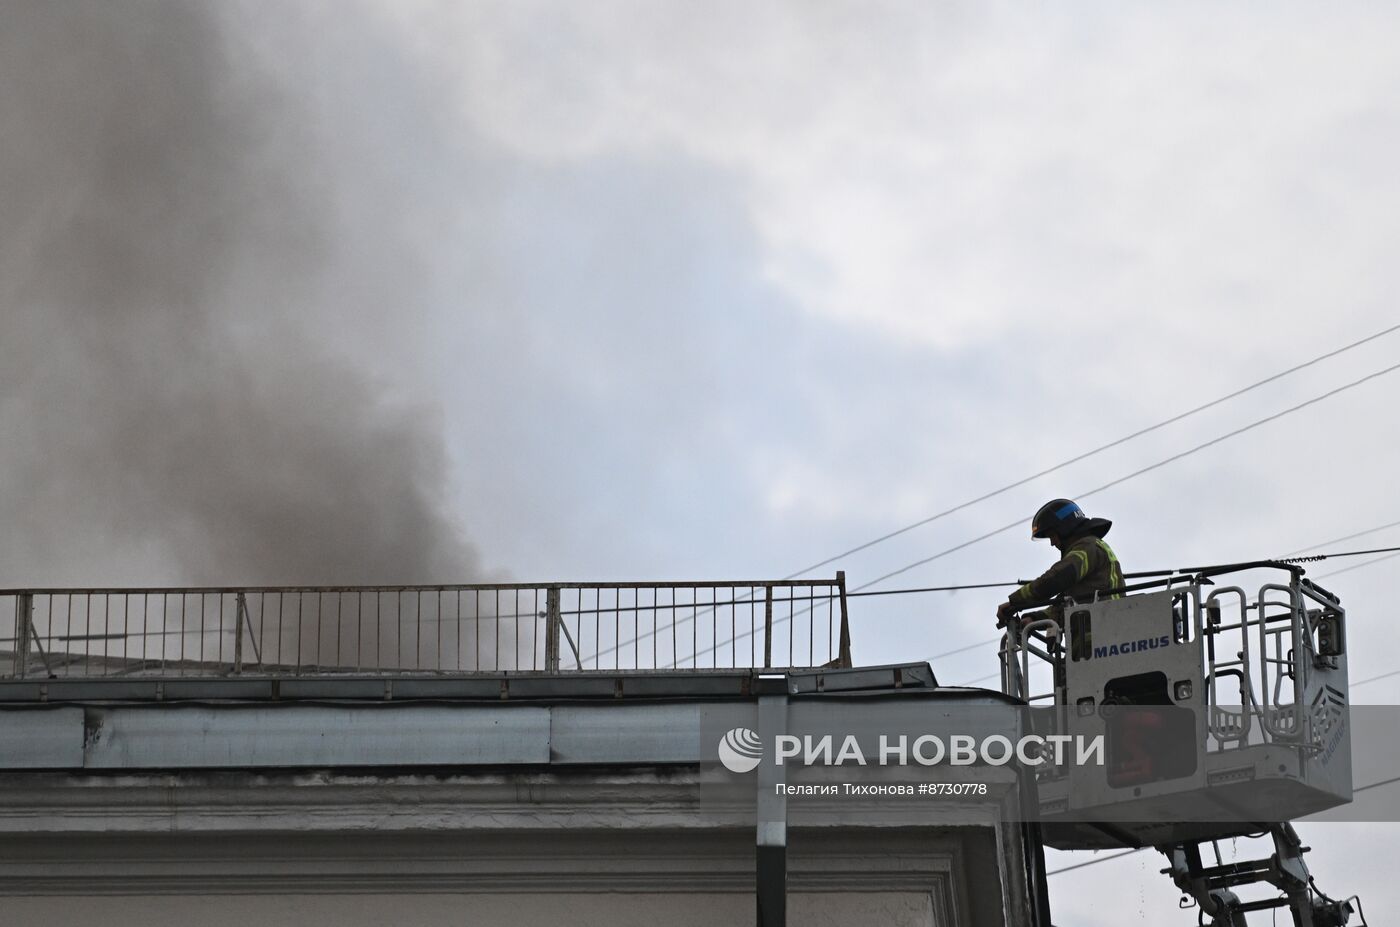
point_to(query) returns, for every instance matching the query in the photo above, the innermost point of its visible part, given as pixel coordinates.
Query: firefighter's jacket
(1087, 566)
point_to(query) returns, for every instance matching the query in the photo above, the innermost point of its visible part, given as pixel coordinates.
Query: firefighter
(1087, 564)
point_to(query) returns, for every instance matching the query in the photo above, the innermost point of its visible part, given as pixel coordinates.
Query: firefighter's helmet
(1064, 519)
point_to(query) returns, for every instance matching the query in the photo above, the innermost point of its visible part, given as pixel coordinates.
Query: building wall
(364, 814)
(603, 878)
(910, 909)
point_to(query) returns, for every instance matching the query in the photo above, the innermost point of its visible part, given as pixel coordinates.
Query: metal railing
(1270, 647)
(475, 628)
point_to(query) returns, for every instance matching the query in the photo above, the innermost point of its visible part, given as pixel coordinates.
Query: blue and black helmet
(1063, 518)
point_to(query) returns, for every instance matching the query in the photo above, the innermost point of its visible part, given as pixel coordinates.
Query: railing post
(24, 620)
(767, 627)
(238, 612)
(771, 843)
(551, 629)
(844, 655)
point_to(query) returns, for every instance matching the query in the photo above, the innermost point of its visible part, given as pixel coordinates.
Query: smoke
(195, 364)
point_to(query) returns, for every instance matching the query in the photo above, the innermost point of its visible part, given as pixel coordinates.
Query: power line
(1087, 454)
(949, 653)
(1148, 469)
(1105, 859)
(1363, 682)
(1095, 861)
(1109, 485)
(993, 640)
(973, 682)
(1341, 553)
(1083, 495)
(1358, 566)
(1353, 685)
(1162, 576)
(1348, 537)
(853, 594)
(1376, 785)
(1395, 552)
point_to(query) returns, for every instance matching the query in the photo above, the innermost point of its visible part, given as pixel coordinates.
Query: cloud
(959, 175)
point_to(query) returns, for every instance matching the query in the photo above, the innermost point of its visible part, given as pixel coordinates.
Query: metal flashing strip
(306, 732)
(42, 738)
(315, 736)
(703, 684)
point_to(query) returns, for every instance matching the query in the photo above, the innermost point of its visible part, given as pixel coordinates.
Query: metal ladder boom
(1211, 886)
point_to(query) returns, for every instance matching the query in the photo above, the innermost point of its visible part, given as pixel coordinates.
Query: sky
(416, 291)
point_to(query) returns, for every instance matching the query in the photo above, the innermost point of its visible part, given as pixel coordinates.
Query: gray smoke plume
(179, 398)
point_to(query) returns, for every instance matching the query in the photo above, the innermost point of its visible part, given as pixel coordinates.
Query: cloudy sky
(435, 291)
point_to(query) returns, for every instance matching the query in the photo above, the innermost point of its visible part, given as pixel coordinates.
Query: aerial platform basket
(1220, 712)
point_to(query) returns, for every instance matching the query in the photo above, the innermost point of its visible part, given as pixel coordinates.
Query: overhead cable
(1353, 685)
(1105, 859)
(993, 640)
(1100, 859)
(1362, 682)
(1083, 495)
(1098, 450)
(1148, 469)
(1165, 573)
(1375, 785)
(1392, 524)
(1357, 566)
(1344, 553)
